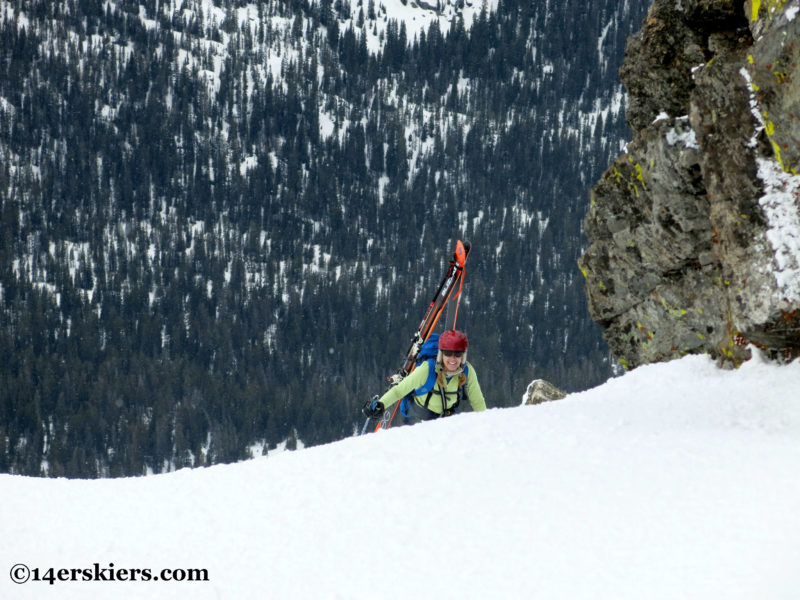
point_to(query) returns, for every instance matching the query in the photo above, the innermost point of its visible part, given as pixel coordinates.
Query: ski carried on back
(453, 279)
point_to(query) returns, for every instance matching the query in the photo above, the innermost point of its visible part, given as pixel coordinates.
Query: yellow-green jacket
(419, 376)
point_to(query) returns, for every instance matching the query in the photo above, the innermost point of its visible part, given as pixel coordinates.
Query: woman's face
(451, 360)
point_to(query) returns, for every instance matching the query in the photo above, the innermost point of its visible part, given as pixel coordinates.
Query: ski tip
(462, 249)
(460, 254)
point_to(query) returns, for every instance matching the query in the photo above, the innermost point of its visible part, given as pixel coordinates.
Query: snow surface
(676, 480)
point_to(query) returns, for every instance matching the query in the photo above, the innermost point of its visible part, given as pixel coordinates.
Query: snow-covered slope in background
(417, 15)
(676, 480)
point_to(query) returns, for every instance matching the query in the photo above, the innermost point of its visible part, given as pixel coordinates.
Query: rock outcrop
(695, 230)
(539, 391)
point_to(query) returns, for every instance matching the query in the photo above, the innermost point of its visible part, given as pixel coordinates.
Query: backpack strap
(462, 390)
(461, 393)
(430, 383)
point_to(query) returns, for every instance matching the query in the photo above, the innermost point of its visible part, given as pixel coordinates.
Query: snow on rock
(781, 204)
(686, 138)
(676, 480)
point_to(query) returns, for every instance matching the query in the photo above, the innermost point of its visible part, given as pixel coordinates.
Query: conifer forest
(221, 221)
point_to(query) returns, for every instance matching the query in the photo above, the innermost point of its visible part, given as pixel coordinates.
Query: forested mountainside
(221, 221)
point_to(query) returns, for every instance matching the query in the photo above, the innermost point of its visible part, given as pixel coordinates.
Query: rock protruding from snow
(695, 230)
(540, 391)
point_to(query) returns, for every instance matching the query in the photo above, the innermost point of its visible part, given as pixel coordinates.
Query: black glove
(373, 408)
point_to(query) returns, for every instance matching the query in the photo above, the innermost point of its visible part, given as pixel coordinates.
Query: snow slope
(417, 16)
(673, 481)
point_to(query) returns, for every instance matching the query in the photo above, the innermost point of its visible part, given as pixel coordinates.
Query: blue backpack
(428, 353)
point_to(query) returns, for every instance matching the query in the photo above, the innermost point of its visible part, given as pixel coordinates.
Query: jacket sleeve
(474, 392)
(417, 377)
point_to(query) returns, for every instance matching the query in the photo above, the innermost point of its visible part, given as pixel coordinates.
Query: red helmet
(453, 340)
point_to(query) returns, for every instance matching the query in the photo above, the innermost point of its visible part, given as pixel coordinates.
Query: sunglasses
(457, 353)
